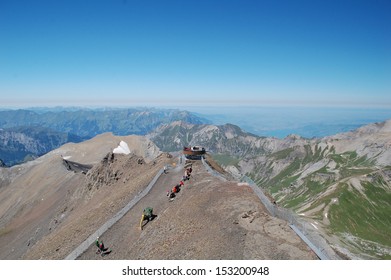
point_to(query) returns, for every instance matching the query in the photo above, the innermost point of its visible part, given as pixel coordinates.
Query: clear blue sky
(119, 52)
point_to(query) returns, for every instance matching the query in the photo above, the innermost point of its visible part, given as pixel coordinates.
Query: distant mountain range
(22, 144)
(88, 123)
(340, 183)
(27, 134)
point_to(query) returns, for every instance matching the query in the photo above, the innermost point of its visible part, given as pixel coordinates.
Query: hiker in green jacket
(147, 215)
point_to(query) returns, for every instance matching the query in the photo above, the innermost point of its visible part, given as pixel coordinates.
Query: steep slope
(209, 219)
(44, 204)
(49, 207)
(223, 139)
(340, 183)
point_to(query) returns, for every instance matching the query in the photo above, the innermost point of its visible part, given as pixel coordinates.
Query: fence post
(291, 218)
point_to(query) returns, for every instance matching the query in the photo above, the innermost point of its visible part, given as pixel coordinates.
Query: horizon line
(99, 105)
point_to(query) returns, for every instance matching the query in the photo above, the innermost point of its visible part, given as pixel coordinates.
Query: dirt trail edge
(209, 218)
(90, 240)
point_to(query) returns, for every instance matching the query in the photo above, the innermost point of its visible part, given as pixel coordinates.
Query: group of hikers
(172, 193)
(187, 173)
(148, 214)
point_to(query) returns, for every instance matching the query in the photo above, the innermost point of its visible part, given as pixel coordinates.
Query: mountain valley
(340, 184)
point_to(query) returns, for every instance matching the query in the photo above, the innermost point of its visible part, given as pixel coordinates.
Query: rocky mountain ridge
(341, 182)
(21, 144)
(28, 134)
(87, 123)
(50, 205)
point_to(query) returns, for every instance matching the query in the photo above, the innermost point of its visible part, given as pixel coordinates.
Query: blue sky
(119, 52)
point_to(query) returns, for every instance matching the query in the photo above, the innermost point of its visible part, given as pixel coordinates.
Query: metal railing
(304, 230)
(90, 240)
(211, 171)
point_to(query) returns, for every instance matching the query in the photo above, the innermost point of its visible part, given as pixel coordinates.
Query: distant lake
(305, 121)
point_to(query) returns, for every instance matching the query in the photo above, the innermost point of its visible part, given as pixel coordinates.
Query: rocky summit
(53, 208)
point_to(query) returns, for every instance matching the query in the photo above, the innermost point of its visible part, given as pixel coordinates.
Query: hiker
(178, 186)
(101, 247)
(165, 169)
(186, 176)
(170, 194)
(147, 215)
(175, 189)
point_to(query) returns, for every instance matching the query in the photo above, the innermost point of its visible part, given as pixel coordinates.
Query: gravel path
(209, 219)
(91, 239)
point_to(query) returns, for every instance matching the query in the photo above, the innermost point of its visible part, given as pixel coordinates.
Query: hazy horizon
(271, 121)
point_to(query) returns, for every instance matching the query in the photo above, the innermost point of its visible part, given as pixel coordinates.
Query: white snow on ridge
(122, 148)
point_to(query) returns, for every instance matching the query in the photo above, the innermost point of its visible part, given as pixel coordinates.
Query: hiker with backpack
(170, 195)
(147, 215)
(102, 250)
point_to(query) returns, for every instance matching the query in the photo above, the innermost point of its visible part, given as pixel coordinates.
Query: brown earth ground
(96, 208)
(47, 210)
(209, 219)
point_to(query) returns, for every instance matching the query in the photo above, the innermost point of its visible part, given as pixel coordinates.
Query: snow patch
(242, 184)
(122, 148)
